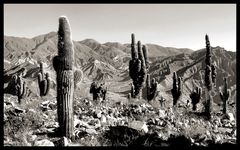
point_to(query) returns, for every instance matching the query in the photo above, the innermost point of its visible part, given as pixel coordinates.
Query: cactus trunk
(63, 65)
(224, 107)
(65, 100)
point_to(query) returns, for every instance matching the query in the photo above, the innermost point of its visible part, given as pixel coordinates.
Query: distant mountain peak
(89, 40)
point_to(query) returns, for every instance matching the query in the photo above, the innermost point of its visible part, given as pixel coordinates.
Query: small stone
(32, 138)
(162, 113)
(19, 110)
(45, 102)
(230, 116)
(217, 138)
(52, 105)
(208, 134)
(103, 119)
(91, 131)
(44, 142)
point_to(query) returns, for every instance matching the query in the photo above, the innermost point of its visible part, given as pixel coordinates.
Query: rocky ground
(34, 123)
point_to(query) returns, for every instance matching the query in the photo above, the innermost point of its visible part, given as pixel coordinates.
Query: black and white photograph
(104, 75)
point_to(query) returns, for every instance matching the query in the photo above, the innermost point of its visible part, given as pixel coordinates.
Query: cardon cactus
(210, 78)
(151, 88)
(78, 75)
(63, 65)
(98, 91)
(196, 96)
(137, 67)
(177, 88)
(17, 87)
(43, 81)
(225, 94)
(21, 88)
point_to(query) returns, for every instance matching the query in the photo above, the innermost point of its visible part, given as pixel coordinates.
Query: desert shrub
(121, 135)
(18, 126)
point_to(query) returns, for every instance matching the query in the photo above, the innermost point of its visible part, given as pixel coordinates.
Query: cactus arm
(228, 93)
(221, 95)
(46, 85)
(145, 54)
(77, 77)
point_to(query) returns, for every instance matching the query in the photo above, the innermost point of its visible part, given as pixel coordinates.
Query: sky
(169, 25)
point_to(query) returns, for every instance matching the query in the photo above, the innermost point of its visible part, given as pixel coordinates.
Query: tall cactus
(225, 94)
(195, 96)
(21, 88)
(137, 67)
(177, 88)
(151, 88)
(43, 81)
(210, 78)
(63, 65)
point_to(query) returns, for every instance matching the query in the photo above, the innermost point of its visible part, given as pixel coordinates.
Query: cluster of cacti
(63, 65)
(151, 88)
(43, 81)
(196, 96)
(225, 94)
(138, 67)
(177, 88)
(78, 75)
(98, 91)
(210, 77)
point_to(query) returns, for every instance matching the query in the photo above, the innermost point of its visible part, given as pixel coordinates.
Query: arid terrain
(119, 120)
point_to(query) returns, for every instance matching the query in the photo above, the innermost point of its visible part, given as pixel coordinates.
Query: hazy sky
(170, 25)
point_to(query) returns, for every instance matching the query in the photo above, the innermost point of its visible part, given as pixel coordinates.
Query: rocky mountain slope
(108, 62)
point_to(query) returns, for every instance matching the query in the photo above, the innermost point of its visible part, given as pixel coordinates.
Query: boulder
(138, 125)
(44, 142)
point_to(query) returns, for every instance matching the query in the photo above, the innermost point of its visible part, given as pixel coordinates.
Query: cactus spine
(63, 65)
(151, 88)
(225, 94)
(210, 78)
(137, 67)
(177, 88)
(43, 81)
(196, 96)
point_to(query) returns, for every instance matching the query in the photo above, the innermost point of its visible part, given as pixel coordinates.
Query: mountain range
(108, 62)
